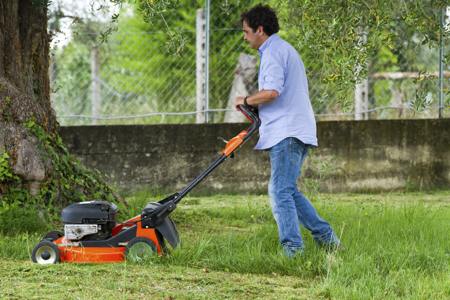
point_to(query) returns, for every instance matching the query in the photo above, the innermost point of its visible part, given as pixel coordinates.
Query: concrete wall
(353, 156)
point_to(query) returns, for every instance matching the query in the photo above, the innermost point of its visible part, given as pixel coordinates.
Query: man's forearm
(261, 97)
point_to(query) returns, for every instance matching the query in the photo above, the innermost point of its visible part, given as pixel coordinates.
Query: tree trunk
(24, 87)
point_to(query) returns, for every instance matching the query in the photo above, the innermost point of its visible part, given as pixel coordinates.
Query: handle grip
(251, 113)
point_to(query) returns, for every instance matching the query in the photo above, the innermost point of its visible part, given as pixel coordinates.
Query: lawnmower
(91, 234)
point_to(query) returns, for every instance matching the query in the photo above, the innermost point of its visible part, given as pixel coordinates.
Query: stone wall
(353, 156)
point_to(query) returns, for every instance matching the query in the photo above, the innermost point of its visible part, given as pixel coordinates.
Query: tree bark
(24, 87)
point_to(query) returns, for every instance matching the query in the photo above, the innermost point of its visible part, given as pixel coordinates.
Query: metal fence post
(200, 66)
(95, 73)
(361, 88)
(207, 33)
(362, 100)
(441, 64)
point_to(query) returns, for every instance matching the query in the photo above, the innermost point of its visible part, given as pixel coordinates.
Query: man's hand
(261, 97)
(239, 101)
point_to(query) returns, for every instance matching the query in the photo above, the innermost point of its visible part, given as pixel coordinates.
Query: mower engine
(90, 220)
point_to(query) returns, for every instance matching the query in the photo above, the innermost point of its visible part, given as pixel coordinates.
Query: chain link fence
(150, 78)
(131, 79)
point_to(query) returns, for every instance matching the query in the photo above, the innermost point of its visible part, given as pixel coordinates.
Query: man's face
(253, 38)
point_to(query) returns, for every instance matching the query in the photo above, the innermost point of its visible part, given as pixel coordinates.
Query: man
(288, 128)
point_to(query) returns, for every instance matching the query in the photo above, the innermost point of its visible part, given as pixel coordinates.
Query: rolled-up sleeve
(272, 73)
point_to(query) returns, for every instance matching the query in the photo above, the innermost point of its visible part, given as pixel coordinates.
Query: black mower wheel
(53, 235)
(140, 249)
(45, 253)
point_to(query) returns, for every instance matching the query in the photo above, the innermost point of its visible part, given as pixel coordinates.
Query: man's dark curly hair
(261, 15)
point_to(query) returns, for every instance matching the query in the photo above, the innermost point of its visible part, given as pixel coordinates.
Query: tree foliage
(340, 42)
(335, 37)
(149, 63)
(172, 24)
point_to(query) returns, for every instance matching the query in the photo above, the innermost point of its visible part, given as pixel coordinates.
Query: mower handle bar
(251, 113)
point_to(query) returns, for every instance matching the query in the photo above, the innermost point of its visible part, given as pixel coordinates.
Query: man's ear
(260, 30)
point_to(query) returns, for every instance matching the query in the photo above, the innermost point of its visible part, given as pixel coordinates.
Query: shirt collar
(267, 43)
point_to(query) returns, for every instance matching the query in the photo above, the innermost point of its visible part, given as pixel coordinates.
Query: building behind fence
(151, 77)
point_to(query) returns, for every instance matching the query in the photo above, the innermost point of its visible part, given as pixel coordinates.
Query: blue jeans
(289, 206)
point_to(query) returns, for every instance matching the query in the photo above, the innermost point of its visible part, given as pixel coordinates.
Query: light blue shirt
(290, 114)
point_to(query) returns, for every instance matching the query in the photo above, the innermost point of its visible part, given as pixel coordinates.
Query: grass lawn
(397, 245)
